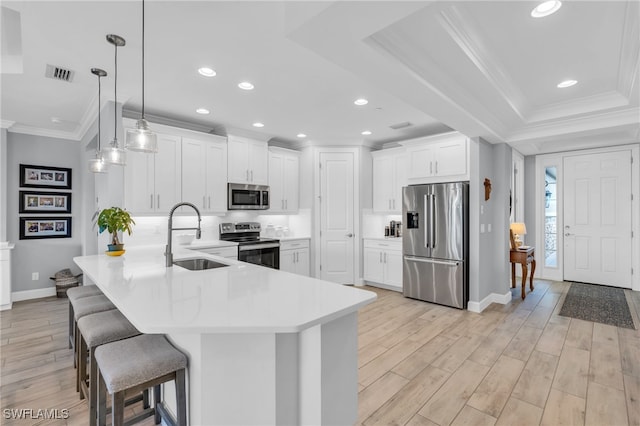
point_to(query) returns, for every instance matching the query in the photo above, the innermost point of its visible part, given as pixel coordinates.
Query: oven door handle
(258, 246)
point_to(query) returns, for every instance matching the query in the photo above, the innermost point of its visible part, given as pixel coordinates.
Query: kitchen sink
(198, 264)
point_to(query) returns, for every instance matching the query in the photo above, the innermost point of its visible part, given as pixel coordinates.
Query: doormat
(597, 303)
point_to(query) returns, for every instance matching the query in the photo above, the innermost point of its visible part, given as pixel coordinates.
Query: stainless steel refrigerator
(435, 243)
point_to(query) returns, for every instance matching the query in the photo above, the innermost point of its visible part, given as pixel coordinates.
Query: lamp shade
(519, 228)
(141, 139)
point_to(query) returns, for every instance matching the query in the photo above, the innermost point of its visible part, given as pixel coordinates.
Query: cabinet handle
(430, 167)
(247, 175)
(380, 257)
(204, 202)
(252, 174)
(209, 201)
(436, 167)
(394, 203)
(150, 201)
(286, 204)
(385, 258)
(158, 200)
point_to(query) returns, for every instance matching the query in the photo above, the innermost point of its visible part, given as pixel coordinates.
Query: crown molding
(462, 32)
(583, 123)
(6, 124)
(586, 105)
(50, 133)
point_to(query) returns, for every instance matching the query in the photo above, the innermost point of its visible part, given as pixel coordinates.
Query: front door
(337, 217)
(597, 218)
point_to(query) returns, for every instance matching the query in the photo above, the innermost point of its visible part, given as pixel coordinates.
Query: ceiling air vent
(401, 125)
(59, 73)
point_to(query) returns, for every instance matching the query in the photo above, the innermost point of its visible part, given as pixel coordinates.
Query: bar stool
(135, 364)
(87, 306)
(74, 294)
(94, 330)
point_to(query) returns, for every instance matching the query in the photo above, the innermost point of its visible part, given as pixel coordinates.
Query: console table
(523, 257)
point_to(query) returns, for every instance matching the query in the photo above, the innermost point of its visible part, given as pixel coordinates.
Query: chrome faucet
(167, 254)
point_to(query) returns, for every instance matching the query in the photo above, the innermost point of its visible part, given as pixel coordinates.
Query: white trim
(384, 286)
(38, 293)
(6, 124)
(6, 307)
(478, 307)
(543, 161)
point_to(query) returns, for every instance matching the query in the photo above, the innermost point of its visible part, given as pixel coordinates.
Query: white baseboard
(39, 293)
(6, 307)
(478, 307)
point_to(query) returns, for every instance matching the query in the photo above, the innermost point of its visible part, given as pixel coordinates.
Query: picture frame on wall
(32, 228)
(45, 202)
(44, 177)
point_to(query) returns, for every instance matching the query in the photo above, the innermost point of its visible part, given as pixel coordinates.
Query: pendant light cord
(115, 98)
(143, 59)
(99, 92)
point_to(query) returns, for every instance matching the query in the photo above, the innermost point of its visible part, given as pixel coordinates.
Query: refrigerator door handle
(427, 221)
(427, 260)
(432, 222)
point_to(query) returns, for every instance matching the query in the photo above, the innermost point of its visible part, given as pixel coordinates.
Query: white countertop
(200, 244)
(291, 238)
(240, 298)
(391, 239)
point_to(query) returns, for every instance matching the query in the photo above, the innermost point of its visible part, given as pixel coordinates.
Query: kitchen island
(264, 346)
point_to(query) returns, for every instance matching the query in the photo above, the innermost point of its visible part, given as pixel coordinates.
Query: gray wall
(3, 184)
(45, 256)
(530, 199)
(489, 251)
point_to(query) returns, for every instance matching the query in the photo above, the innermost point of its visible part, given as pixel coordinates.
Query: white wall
(45, 256)
(530, 200)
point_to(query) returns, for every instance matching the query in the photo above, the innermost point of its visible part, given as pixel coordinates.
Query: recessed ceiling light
(361, 102)
(202, 111)
(207, 72)
(546, 8)
(301, 135)
(258, 125)
(56, 120)
(366, 132)
(245, 85)
(567, 83)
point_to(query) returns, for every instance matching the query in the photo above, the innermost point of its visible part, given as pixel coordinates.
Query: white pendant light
(114, 154)
(141, 138)
(98, 165)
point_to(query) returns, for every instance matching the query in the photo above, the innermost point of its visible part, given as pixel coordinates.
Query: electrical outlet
(35, 276)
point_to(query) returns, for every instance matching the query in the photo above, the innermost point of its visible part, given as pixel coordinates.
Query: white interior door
(337, 234)
(597, 218)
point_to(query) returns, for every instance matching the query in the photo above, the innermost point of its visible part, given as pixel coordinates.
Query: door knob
(349, 235)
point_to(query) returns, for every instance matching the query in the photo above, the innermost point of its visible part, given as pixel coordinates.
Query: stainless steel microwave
(247, 197)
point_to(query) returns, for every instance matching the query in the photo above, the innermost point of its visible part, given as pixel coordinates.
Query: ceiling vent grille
(59, 73)
(401, 125)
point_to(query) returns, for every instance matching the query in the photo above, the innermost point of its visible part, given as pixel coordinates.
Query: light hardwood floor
(419, 364)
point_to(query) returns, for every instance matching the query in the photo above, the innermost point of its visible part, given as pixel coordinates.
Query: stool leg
(81, 372)
(70, 325)
(145, 399)
(181, 398)
(157, 397)
(93, 388)
(117, 409)
(102, 401)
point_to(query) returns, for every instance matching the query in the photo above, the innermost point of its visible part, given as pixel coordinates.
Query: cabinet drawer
(294, 244)
(390, 244)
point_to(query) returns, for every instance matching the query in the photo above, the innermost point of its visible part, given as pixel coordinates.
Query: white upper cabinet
(284, 165)
(389, 176)
(153, 181)
(204, 173)
(439, 158)
(247, 161)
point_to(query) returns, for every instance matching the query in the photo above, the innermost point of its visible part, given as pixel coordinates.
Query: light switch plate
(482, 228)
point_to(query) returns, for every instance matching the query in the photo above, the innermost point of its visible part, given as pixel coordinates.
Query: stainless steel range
(251, 247)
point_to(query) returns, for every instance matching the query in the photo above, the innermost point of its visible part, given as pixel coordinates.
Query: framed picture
(32, 228)
(45, 202)
(45, 177)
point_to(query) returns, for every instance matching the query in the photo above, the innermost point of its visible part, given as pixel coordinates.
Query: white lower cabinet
(294, 256)
(383, 263)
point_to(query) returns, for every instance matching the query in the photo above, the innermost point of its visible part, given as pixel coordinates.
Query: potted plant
(115, 219)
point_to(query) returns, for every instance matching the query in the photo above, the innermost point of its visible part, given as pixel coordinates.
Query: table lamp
(516, 229)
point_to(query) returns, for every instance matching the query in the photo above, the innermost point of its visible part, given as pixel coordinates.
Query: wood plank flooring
(419, 364)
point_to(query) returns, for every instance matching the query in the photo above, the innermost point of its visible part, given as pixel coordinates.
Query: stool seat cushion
(84, 291)
(131, 362)
(104, 327)
(91, 305)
